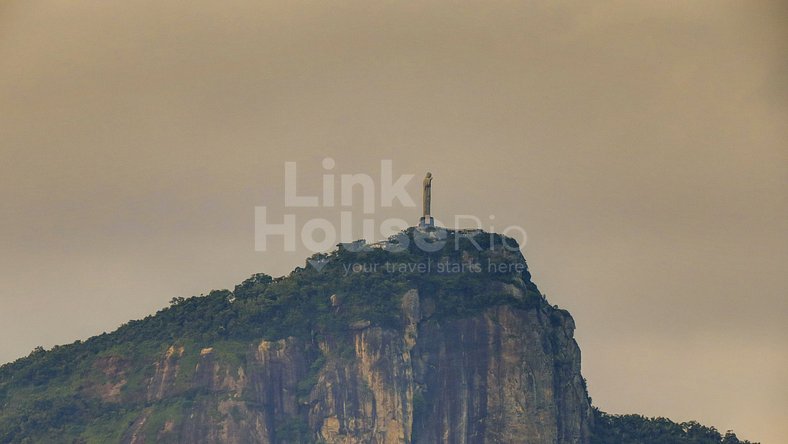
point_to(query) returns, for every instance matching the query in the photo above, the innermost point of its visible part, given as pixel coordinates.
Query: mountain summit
(433, 336)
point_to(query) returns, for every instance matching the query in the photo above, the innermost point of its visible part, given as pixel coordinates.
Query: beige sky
(642, 145)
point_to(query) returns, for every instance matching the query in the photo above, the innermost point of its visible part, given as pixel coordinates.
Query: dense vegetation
(636, 429)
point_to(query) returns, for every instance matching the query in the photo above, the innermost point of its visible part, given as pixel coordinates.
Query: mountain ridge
(429, 336)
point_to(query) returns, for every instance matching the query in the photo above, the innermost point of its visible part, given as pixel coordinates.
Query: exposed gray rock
(503, 376)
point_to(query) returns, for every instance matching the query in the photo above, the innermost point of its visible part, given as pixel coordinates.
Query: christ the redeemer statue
(426, 219)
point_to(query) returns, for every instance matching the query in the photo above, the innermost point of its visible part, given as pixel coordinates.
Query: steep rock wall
(502, 376)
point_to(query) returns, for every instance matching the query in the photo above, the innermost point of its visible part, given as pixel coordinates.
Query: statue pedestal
(426, 222)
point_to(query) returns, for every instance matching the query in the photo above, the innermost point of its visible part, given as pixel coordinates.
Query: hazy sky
(642, 145)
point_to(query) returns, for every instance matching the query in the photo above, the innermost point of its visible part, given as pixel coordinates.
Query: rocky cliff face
(505, 375)
(390, 343)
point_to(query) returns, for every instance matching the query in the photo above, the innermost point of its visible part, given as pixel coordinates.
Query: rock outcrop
(505, 375)
(423, 338)
(431, 337)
